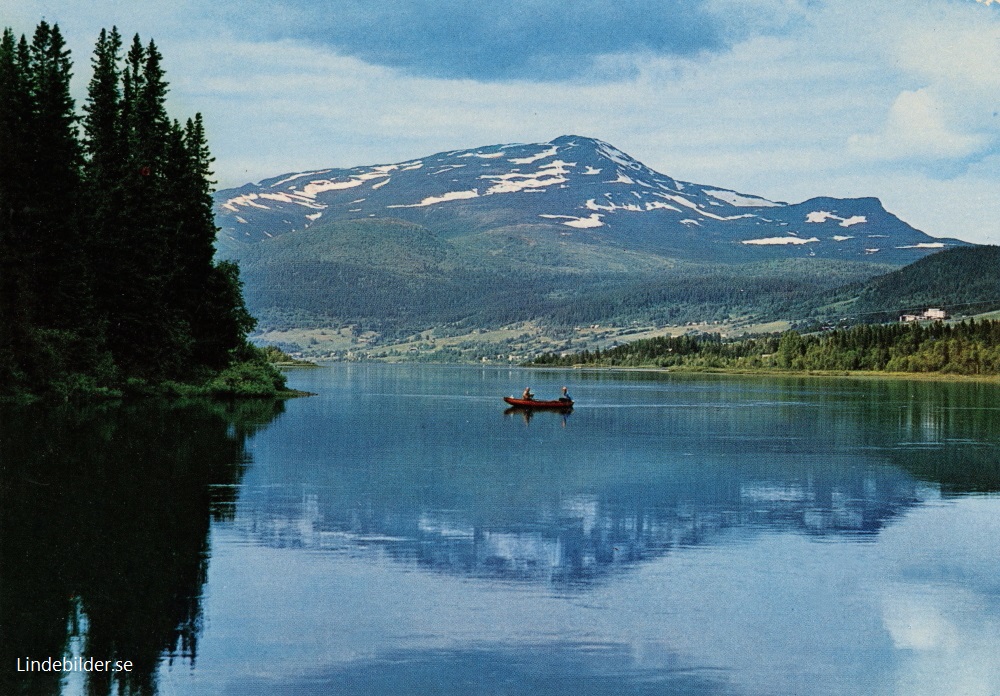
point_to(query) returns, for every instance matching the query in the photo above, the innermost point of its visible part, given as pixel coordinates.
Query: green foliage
(257, 379)
(121, 292)
(966, 348)
(276, 356)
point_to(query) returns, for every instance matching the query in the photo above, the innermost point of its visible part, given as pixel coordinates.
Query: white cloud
(949, 646)
(952, 115)
(917, 128)
(959, 54)
(840, 98)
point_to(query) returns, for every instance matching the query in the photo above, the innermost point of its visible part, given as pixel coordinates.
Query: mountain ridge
(569, 186)
(559, 236)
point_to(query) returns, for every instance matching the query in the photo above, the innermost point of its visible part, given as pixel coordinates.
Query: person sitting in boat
(527, 395)
(565, 395)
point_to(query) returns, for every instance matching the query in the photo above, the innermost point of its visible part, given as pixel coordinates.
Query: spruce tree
(219, 319)
(147, 337)
(105, 150)
(46, 285)
(63, 281)
(125, 286)
(14, 114)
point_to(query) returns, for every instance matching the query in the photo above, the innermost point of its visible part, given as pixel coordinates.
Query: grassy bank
(255, 377)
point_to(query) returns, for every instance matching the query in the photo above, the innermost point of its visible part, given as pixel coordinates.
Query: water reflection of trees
(105, 518)
(833, 460)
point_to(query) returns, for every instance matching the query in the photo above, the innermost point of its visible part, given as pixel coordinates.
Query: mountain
(574, 189)
(553, 236)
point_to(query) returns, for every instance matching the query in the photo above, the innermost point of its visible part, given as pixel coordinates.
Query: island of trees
(966, 348)
(108, 282)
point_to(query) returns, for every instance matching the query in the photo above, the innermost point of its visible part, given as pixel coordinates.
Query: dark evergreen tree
(105, 149)
(148, 337)
(15, 111)
(47, 293)
(54, 177)
(207, 297)
(125, 287)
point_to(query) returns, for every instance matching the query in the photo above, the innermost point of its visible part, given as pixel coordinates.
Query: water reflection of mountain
(104, 534)
(579, 538)
(842, 462)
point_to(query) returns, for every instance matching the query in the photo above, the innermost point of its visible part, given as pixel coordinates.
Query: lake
(402, 532)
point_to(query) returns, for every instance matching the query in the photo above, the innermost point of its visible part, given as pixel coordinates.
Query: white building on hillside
(930, 314)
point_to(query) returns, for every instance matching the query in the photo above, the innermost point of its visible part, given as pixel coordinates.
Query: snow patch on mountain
(512, 182)
(291, 198)
(694, 206)
(617, 156)
(293, 177)
(315, 187)
(483, 155)
(741, 201)
(820, 216)
(432, 200)
(592, 204)
(249, 199)
(660, 205)
(582, 223)
(551, 152)
(449, 168)
(766, 241)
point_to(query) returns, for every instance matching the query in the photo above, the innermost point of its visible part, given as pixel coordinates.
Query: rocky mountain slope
(576, 190)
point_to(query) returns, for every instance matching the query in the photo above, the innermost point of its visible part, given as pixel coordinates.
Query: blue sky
(786, 99)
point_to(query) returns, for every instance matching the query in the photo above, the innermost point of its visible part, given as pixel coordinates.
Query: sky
(785, 99)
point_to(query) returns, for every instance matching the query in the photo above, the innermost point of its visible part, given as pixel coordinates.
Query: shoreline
(839, 374)
(760, 372)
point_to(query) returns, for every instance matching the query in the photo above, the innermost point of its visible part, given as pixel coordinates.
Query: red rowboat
(535, 403)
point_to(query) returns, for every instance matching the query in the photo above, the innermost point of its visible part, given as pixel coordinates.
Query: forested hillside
(966, 348)
(965, 280)
(107, 278)
(397, 278)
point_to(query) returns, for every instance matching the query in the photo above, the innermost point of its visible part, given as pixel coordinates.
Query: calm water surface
(400, 533)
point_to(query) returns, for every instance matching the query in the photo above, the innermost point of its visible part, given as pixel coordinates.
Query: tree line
(966, 348)
(107, 234)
